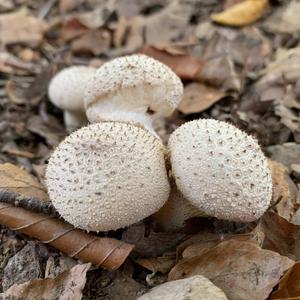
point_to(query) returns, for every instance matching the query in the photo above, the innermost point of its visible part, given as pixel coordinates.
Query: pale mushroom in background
(108, 175)
(132, 89)
(176, 211)
(221, 170)
(66, 91)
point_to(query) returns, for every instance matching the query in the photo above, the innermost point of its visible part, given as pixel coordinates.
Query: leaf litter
(239, 61)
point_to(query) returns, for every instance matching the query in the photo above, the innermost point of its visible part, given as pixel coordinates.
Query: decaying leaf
(67, 285)
(198, 97)
(242, 270)
(161, 264)
(94, 41)
(284, 190)
(16, 185)
(184, 65)
(281, 236)
(285, 20)
(154, 244)
(21, 27)
(105, 252)
(289, 285)
(242, 14)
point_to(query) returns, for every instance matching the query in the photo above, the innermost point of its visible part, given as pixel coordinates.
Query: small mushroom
(66, 91)
(108, 175)
(132, 89)
(221, 170)
(176, 211)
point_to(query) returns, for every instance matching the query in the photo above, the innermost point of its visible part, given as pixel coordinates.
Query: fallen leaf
(12, 148)
(162, 264)
(284, 20)
(153, 244)
(284, 190)
(198, 97)
(68, 5)
(287, 154)
(21, 27)
(17, 183)
(51, 130)
(242, 14)
(12, 65)
(72, 29)
(67, 285)
(23, 266)
(281, 236)
(185, 66)
(220, 72)
(241, 269)
(108, 253)
(94, 41)
(289, 285)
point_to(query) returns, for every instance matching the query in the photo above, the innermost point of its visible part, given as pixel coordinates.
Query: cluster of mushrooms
(113, 172)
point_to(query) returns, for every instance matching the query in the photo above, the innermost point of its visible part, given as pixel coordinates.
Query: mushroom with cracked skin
(127, 88)
(108, 175)
(221, 170)
(66, 90)
(176, 211)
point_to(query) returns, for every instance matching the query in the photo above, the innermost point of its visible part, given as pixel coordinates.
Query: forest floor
(245, 69)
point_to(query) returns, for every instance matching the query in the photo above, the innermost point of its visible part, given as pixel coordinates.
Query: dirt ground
(239, 62)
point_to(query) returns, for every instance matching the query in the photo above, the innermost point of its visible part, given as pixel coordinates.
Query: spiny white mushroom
(221, 170)
(108, 175)
(127, 88)
(66, 91)
(176, 211)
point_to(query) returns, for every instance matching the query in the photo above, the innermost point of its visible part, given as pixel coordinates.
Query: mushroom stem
(110, 113)
(74, 120)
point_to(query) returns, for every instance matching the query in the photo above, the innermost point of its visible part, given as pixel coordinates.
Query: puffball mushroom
(66, 91)
(221, 170)
(107, 175)
(126, 88)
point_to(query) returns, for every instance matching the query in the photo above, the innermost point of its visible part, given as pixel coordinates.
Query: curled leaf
(108, 253)
(241, 14)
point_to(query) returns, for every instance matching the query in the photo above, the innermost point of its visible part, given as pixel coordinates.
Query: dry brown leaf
(281, 236)
(94, 41)
(185, 66)
(15, 181)
(21, 27)
(161, 264)
(67, 285)
(153, 244)
(198, 97)
(205, 240)
(242, 270)
(108, 253)
(72, 29)
(284, 190)
(68, 5)
(242, 14)
(285, 20)
(289, 285)
(51, 129)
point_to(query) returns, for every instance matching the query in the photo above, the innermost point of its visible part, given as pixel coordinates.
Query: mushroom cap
(66, 89)
(107, 175)
(221, 170)
(133, 83)
(176, 211)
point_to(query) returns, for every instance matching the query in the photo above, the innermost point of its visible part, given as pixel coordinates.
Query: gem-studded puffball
(107, 175)
(66, 89)
(133, 84)
(221, 170)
